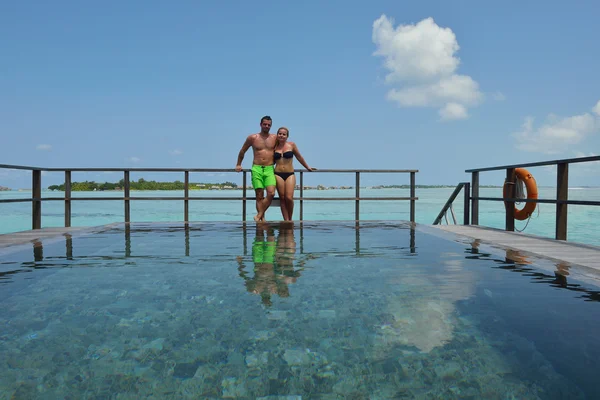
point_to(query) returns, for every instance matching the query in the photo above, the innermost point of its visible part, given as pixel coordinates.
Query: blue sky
(432, 85)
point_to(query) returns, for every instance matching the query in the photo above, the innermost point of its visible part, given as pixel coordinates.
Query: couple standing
(272, 149)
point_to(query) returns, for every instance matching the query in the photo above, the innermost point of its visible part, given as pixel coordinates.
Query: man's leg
(258, 185)
(260, 198)
(270, 183)
(267, 200)
(264, 204)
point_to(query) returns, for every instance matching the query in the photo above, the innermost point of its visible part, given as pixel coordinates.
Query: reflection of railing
(562, 192)
(518, 262)
(36, 194)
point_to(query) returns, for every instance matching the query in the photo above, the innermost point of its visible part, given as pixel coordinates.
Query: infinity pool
(313, 311)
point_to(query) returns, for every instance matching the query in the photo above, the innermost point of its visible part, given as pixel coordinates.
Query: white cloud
(596, 108)
(580, 154)
(453, 111)
(590, 168)
(44, 147)
(556, 134)
(175, 152)
(134, 159)
(453, 89)
(422, 64)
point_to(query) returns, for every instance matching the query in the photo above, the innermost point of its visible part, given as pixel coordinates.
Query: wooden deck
(562, 251)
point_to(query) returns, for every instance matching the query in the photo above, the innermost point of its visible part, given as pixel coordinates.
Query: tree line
(140, 184)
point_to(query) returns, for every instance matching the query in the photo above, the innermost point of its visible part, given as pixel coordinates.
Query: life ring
(532, 193)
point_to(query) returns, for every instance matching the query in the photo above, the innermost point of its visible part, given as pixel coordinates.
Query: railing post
(475, 202)
(467, 190)
(301, 196)
(126, 193)
(244, 196)
(412, 196)
(186, 195)
(36, 202)
(562, 193)
(357, 195)
(67, 199)
(510, 193)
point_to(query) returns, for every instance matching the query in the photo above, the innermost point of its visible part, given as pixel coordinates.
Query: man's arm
(300, 158)
(243, 150)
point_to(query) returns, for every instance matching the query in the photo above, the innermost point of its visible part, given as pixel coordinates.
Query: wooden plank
(25, 237)
(570, 252)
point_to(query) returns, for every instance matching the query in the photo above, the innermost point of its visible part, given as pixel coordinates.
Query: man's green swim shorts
(263, 176)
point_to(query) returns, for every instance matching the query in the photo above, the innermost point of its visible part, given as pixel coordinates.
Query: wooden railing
(562, 192)
(37, 199)
(448, 205)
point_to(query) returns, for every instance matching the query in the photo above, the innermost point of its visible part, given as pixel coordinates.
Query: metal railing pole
(467, 190)
(510, 205)
(244, 196)
(186, 195)
(67, 199)
(357, 201)
(301, 196)
(126, 195)
(412, 196)
(36, 202)
(475, 202)
(562, 193)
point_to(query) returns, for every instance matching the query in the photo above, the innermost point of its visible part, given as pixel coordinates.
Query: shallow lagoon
(320, 310)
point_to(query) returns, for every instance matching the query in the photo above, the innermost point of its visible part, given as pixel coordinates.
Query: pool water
(312, 311)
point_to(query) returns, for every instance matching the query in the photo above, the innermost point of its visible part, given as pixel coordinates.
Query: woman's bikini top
(287, 154)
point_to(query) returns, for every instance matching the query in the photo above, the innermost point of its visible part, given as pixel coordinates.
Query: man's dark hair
(267, 118)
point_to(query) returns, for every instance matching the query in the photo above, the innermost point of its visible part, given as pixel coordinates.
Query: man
(263, 173)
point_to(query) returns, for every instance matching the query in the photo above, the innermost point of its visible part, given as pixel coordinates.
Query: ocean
(581, 219)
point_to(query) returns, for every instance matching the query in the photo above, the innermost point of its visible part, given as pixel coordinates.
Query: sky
(436, 86)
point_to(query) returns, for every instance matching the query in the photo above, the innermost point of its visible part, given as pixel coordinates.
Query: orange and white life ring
(532, 193)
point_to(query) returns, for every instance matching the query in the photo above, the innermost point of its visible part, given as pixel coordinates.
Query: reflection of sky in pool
(318, 311)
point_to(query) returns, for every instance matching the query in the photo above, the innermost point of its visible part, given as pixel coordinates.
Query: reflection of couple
(272, 149)
(273, 263)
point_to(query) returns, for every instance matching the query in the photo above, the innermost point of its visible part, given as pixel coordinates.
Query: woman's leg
(281, 192)
(290, 185)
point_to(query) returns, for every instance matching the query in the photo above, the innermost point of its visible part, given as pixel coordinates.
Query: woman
(284, 171)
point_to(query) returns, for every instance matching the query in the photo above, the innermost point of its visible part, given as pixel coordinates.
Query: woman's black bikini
(284, 175)
(277, 156)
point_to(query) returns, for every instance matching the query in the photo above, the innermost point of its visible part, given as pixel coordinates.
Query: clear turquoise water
(581, 219)
(320, 311)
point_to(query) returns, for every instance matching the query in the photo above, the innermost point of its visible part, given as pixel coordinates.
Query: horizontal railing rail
(37, 199)
(562, 192)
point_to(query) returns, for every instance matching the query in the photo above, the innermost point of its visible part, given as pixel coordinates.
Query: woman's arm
(300, 158)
